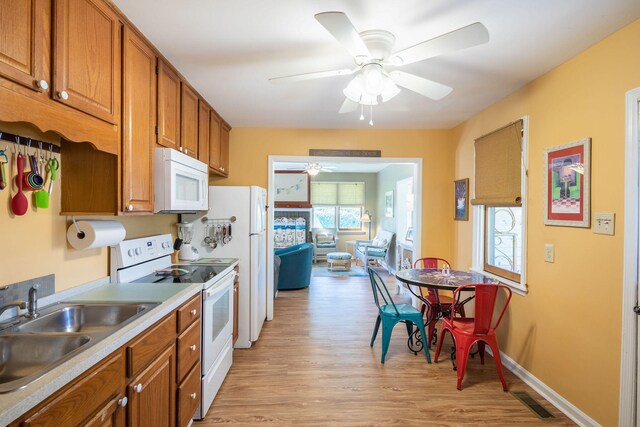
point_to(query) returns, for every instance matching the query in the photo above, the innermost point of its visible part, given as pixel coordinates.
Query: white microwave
(181, 182)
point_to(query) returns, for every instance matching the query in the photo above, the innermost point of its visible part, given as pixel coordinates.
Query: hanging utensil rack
(206, 220)
(13, 138)
(218, 231)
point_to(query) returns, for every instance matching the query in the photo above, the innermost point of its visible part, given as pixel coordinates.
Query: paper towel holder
(80, 233)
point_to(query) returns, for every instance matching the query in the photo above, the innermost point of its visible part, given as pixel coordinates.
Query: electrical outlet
(549, 252)
(604, 223)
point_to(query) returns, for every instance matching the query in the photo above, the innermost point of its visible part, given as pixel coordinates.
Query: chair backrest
(485, 302)
(431, 263)
(383, 239)
(380, 290)
(323, 234)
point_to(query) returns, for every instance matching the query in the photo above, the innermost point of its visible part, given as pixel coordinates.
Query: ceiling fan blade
(348, 106)
(428, 88)
(340, 27)
(462, 38)
(311, 76)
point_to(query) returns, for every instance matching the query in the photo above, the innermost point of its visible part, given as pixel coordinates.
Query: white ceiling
(229, 49)
(342, 167)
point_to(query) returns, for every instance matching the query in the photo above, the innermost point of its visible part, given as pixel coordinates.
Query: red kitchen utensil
(19, 202)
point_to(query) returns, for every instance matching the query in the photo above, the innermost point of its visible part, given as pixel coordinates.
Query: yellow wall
(566, 331)
(250, 148)
(35, 244)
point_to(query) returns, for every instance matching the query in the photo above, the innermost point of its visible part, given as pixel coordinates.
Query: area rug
(322, 270)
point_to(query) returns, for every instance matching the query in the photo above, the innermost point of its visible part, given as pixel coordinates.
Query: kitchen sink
(34, 347)
(84, 318)
(25, 357)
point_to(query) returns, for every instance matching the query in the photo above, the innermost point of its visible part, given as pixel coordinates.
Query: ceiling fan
(376, 74)
(314, 169)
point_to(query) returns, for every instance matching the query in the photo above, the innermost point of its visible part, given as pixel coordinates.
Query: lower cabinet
(137, 385)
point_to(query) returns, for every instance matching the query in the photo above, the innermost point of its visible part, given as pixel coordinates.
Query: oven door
(218, 320)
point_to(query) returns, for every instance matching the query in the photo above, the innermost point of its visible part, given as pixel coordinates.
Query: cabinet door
(152, 393)
(168, 107)
(189, 123)
(139, 123)
(224, 149)
(25, 34)
(87, 58)
(215, 126)
(112, 414)
(203, 131)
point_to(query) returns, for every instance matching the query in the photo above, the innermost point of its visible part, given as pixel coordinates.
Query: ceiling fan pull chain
(361, 111)
(371, 121)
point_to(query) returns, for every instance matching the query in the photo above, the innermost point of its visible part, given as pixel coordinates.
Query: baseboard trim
(547, 392)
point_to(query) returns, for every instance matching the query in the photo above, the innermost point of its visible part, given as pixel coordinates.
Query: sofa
(376, 249)
(295, 266)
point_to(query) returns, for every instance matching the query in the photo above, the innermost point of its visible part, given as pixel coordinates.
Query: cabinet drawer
(189, 396)
(145, 349)
(188, 349)
(189, 312)
(84, 397)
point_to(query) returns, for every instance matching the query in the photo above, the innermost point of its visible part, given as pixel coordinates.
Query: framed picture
(461, 199)
(409, 236)
(567, 182)
(388, 204)
(292, 189)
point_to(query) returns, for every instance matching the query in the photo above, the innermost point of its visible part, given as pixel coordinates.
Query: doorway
(375, 212)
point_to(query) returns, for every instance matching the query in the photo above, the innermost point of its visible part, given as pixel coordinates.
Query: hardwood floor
(313, 367)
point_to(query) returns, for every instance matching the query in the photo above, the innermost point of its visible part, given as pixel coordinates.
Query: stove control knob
(165, 245)
(131, 252)
(138, 251)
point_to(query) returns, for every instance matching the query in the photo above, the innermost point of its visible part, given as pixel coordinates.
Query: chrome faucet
(15, 304)
(32, 308)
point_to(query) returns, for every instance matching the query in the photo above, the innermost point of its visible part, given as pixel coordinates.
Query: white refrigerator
(248, 244)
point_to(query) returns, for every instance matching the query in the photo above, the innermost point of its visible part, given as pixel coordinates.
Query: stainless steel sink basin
(25, 357)
(36, 346)
(84, 318)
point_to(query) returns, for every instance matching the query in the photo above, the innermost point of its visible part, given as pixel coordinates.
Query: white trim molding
(547, 392)
(629, 349)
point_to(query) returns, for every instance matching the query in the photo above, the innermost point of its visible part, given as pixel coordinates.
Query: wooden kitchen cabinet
(86, 57)
(224, 149)
(189, 121)
(139, 123)
(112, 414)
(25, 41)
(204, 112)
(215, 127)
(169, 91)
(152, 393)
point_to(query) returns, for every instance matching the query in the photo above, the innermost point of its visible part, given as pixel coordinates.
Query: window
(337, 205)
(500, 209)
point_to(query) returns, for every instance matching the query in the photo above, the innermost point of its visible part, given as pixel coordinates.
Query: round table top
(433, 278)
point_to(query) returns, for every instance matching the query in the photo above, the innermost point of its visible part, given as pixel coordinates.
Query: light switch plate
(604, 223)
(549, 252)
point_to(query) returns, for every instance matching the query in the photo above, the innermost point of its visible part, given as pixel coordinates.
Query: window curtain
(498, 167)
(337, 193)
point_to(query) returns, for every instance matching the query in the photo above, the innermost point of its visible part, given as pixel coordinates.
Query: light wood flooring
(313, 367)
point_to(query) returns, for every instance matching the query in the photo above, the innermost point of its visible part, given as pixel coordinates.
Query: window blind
(337, 193)
(498, 167)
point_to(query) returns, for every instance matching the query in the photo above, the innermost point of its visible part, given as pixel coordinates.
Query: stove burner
(173, 272)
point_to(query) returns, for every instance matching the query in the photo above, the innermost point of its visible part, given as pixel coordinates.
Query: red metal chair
(433, 296)
(467, 331)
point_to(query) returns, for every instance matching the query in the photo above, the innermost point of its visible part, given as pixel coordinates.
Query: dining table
(436, 279)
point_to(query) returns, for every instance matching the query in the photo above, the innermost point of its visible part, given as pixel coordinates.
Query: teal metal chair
(391, 313)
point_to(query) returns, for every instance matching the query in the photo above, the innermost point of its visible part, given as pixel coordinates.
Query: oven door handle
(225, 285)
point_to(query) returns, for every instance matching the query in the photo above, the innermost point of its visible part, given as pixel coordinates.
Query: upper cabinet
(224, 149)
(214, 141)
(189, 121)
(168, 106)
(24, 45)
(138, 122)
(204, 111)
(87, 57)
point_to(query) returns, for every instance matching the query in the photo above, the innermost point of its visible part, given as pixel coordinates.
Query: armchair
(295, 266)
(376, 249)
(325, 240)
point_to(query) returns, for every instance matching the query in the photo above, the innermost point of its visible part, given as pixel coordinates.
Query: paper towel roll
(95, 234)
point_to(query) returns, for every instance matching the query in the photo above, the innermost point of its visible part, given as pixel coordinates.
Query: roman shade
(337, 193)
(499, 167)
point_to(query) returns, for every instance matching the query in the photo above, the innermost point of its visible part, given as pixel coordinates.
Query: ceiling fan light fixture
(373, 79)
(369, 99)
(313, 172)
(389, 90)
(354, 89)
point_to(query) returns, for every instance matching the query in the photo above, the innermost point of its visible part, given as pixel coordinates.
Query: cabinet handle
(123, 402)
(186, 151)
(130, 208)
(193, 347)
(180, 149)
(42, 84)
(193, 396)
(63, 95)
(138, 388)
(194, 312)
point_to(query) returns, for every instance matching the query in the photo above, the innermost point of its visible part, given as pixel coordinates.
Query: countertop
(171, 296)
